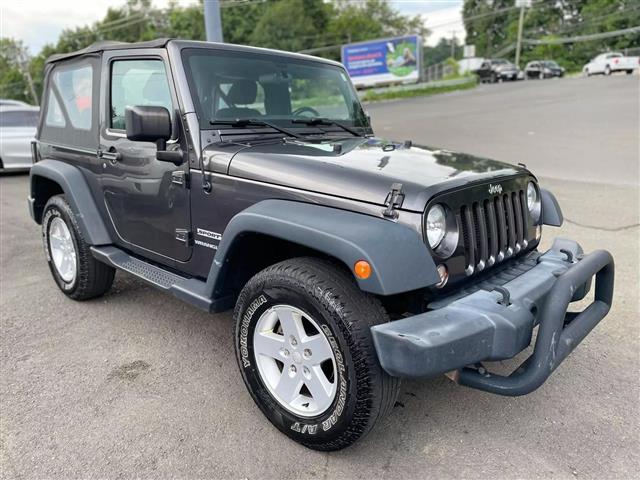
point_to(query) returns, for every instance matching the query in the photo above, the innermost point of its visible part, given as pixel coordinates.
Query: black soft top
(108, 45)
(162, 43)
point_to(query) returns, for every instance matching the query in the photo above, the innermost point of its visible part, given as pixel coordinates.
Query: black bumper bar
(496, 325)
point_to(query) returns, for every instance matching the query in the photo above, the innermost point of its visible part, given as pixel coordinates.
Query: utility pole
(453, 44)
(212, 20)
(27, 73)
(522, 4)
(20, 57)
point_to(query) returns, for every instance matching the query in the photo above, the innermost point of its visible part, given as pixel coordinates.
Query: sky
(38, 22)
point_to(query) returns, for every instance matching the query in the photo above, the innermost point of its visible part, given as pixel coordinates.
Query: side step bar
(190, 290)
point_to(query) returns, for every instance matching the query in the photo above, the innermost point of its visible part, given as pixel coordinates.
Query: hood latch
(393, 201)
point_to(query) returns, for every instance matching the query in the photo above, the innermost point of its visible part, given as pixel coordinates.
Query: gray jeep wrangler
(238, 177)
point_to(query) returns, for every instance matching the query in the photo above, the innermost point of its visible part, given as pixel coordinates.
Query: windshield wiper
(325, 121)
(249, 122)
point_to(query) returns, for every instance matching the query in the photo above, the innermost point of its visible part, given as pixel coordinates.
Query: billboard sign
(384, 61)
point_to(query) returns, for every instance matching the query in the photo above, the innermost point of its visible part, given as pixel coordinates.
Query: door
(147, 200)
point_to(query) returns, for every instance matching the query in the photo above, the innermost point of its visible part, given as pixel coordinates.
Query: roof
(162, 43)
(108, 45)
(18, 108)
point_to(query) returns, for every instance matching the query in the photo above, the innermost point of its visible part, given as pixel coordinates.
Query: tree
(15, 79)
(291, 25)
(492, 25)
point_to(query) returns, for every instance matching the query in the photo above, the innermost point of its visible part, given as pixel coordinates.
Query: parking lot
(138, 384)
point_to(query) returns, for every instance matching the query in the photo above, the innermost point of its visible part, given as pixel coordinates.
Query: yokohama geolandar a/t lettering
(235, 176)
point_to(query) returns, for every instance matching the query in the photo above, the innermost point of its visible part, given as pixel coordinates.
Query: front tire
(76, 272)
(607, 70)
(306, 354)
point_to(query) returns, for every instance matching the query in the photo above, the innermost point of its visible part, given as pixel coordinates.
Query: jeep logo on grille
(495, 189)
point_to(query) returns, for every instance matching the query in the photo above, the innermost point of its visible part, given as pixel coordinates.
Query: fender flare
(551, 211)
(399, 259)
(78, 195)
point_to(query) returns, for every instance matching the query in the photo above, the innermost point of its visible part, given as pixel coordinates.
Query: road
(138, 384)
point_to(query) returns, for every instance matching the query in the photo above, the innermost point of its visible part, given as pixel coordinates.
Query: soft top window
(71, 103)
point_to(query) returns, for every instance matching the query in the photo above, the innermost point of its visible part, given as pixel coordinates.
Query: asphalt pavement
(139, 384)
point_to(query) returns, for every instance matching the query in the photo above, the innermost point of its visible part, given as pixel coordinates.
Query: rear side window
(19, 119)
(75, 88)
(137, 83)
(70, 103)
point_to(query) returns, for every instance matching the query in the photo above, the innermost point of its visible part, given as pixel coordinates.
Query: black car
(497, 70)
(249, 179)
(541, 69)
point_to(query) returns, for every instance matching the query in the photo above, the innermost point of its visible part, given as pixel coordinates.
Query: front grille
(494, 229)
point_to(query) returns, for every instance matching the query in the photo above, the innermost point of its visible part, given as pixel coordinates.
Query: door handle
(112, 154)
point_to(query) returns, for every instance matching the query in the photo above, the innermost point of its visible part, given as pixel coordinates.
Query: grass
(371, 96)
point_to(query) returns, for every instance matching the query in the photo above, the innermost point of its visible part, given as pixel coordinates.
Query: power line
(583, 38)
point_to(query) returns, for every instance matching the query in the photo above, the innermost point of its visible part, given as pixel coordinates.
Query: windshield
(499, 61)
(230, 85)
(550, 63)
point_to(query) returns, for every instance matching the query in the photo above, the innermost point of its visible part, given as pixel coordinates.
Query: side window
(75, 88)
(137, 83)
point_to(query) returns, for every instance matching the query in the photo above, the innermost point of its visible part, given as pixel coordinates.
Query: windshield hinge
(179, 177)
(183, 235)
(393, 201)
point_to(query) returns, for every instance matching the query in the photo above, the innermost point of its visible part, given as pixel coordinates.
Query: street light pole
(212, 20)
(522, 4)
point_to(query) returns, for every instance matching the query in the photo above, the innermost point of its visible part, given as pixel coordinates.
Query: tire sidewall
(56, 209)
(307, 430)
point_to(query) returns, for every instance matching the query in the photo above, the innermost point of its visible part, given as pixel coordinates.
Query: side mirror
(152, 124)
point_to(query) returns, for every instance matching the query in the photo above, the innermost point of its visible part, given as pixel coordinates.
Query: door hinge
(179, 177)
(184, 235)
(393, 201)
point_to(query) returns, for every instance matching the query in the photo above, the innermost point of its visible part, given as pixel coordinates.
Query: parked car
(608, 63)
(497, 70)
(543, 69)
(351, 262)
(5, 102)
(17, 130)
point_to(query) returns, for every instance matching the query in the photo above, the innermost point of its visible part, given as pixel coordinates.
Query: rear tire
(76, 272)
(325, 300)
(629, 72)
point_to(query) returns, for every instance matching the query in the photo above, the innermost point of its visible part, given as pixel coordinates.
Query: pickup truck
(608, 63)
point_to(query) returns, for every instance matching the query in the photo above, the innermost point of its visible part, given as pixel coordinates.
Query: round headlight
(533, 200)
(532, 196)
(436, 225)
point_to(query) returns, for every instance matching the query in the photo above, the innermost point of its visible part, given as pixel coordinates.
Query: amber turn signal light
(362, 269)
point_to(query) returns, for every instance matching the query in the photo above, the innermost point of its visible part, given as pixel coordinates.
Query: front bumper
(496, 322)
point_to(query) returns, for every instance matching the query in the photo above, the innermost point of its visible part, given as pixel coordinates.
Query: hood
(365, 169)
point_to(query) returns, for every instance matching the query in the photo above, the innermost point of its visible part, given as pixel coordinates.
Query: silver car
(17, 128)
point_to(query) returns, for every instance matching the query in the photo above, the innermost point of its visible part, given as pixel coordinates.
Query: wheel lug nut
(285, 352)
(306, 353)
(293, 369)
(306, 371)
(293, 341)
